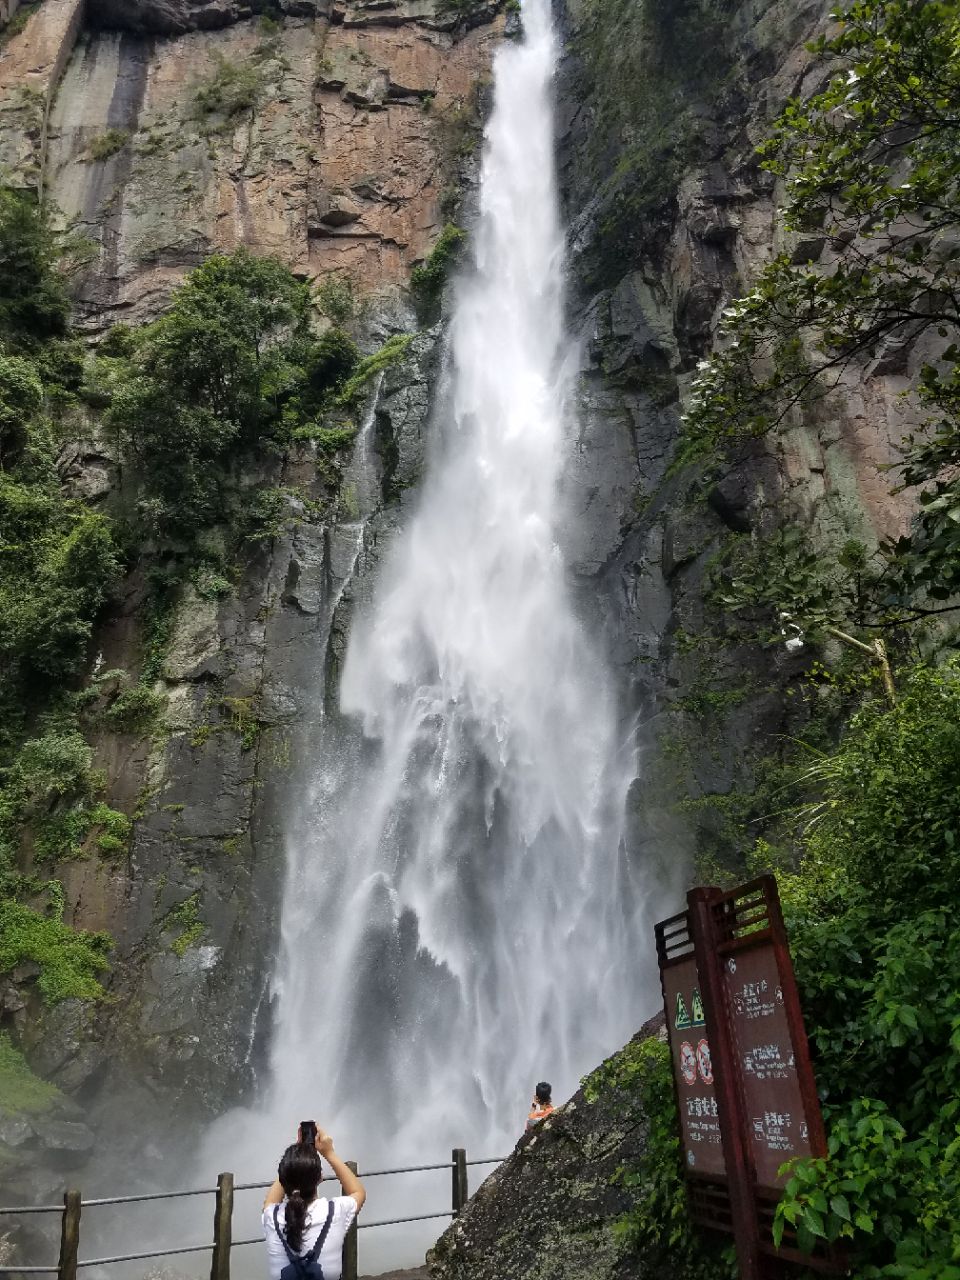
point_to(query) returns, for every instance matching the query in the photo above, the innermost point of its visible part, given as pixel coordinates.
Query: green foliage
(34, 307)
(354, 389)
(892, 818)
(58, 563)
(870, 913)
(428, 279)
(208, 382)
(335, 298)
(231, 90)
(753, 579)
(20, 1090)
(105, 145)
(873, 196)
(867, 854)
(134, 710)
(327, 365)
(69, 961)
(50, 790)
(186, 918)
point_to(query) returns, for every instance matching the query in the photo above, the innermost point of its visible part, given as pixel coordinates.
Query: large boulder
(548, 1212)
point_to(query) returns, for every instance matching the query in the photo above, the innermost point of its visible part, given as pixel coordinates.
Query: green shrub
(335, 298)
(34, 306)
(20, 1090)
(70, 962)
(327, 365)
(47, 768)
(428, 279)
(232, 89)
(186, 918)
(134, 710)
(871, 914)
(21, 395)
(393, 350)
(108, 144)
(210, 380)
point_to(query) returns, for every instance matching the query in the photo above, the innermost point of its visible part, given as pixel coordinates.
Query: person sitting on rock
(301, 1228)
(541, 1106)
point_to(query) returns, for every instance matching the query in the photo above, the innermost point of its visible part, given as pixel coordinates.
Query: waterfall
(460, 919)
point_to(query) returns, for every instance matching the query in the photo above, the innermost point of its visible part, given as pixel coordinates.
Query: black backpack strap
(314, 1253)
(283, 1239)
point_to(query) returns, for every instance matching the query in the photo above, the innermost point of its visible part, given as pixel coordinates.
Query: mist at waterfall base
(460, 918)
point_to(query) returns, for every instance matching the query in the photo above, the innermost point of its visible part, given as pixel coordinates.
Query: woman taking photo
(296, 1220)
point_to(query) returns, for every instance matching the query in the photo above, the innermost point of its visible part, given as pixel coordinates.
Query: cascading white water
(459, 918)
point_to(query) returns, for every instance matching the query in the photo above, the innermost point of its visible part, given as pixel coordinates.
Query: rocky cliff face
(661, 242)
(164, 132)
(337, 137)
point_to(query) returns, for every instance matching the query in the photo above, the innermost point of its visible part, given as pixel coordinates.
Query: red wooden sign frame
(752, 1069)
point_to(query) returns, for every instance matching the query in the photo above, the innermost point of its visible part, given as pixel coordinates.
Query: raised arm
(351, 1184)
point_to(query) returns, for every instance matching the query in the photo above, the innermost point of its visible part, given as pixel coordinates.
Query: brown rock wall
(319, 143)
(31, 65)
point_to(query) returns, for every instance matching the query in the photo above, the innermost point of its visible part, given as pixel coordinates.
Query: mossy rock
(549, 1211)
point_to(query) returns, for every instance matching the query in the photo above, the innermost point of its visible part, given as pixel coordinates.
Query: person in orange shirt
(541, 1106)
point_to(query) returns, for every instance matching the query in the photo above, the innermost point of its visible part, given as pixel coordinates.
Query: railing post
(460, 1192)
(69, 1236)
(350, 1262)
(222, 1228)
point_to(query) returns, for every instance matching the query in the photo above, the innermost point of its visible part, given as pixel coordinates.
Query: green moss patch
(22, 1092)
(70, 961)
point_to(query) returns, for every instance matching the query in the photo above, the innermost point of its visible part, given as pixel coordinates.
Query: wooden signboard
(745, 1086)
(693, 1069)
(776, 1111)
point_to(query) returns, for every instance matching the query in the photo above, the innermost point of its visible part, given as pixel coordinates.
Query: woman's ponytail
(299, 1175)
(295, 1219)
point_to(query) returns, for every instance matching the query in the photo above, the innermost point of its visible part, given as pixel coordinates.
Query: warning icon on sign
(683, 1017)
(699, 1017)
(704, 1065)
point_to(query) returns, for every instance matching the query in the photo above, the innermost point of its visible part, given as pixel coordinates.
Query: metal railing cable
(69, 1263)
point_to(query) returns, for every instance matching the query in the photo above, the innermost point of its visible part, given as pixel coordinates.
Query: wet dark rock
(548, 1210)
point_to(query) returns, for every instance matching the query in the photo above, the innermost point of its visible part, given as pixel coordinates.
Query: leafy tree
(872, 171)
(232, 366)
(326, 367)
(208, 380)
(33, 301)
(21, 394)
(870, 913)
(58, 560)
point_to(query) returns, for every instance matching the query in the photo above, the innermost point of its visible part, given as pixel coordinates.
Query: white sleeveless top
(344, 1212)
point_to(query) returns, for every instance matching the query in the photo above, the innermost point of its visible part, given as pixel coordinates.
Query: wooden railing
(69, 1262)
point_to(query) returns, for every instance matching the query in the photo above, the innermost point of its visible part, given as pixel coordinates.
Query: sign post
(745, 1087)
